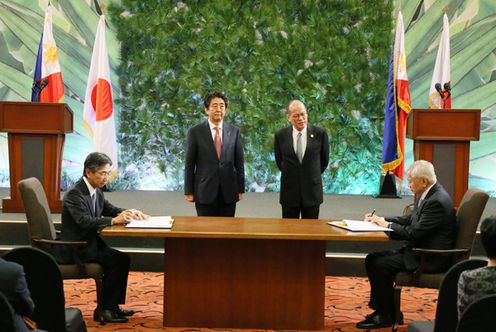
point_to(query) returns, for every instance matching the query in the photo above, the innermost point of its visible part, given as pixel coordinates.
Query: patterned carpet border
(345, 303)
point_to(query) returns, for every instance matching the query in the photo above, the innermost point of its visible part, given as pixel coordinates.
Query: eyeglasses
(104, 174)
(298, 115)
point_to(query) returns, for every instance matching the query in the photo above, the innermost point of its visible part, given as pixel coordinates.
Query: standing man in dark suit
(302, 155)
(14, 286)
(85, 211)
(214, 175)
(432, 225)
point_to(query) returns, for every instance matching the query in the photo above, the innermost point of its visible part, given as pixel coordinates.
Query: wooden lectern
(443, 138)
(36, 134)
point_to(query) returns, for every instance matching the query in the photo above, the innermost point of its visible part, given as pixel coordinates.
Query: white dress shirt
(212, 129)
(422, 197)
(90, 187)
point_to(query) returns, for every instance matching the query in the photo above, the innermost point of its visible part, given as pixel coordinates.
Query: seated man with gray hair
(431, 225)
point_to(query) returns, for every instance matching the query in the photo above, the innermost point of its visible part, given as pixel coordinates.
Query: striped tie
(218, 142)
(93, 199)
(299, 148)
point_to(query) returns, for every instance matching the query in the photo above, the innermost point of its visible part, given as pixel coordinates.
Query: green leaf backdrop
(166, 55)
(332, 55)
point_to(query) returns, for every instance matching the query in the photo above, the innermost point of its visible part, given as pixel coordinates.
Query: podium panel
(444, 125)
(36, 135)
(443, 137)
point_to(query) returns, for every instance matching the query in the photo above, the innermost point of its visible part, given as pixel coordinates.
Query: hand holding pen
(372, 217)
(369, 216)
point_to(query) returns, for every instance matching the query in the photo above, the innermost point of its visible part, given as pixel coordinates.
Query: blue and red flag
(397, 106)
(47, 72)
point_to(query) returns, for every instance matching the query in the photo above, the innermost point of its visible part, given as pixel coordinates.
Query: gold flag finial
(445, 9)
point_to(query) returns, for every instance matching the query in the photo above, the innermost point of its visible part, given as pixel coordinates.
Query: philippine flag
(397, 106)
(98, 114)
(47, 72)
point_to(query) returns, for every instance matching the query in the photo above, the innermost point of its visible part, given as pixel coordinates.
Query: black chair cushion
(421, 326)
(88, 270)
(427, 280)
(74, 320)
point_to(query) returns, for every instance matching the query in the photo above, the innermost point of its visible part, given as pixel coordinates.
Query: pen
(372, 213)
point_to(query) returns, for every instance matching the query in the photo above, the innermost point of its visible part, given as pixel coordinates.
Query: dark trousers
(382, 268)
(218, 208)
(306, 212)
(115, 272)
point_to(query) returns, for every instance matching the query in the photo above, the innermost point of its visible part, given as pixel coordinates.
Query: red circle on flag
(101, 100)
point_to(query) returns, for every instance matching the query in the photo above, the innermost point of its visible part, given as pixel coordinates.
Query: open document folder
(359, 226)
(152, 222)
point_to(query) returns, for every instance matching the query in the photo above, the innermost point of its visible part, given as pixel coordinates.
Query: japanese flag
(98, 107)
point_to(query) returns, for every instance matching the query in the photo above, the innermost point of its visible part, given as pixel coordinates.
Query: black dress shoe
(371, 314)
(124, 312)
(375, 321)
(97, 317)
(108, 316)
(400, 320)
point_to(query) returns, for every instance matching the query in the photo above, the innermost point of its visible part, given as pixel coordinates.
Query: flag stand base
(388, 187)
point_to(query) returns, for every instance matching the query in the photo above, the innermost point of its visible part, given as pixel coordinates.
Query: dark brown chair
(467, 218)
(43, 235)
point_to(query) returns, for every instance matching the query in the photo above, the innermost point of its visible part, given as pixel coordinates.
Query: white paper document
(153, 222)
(359, 226)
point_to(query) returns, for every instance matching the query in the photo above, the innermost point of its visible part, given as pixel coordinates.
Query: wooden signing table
(260, 273)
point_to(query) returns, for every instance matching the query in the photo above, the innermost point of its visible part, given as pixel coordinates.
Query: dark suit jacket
(205, 174)
(301, 183)
(432, 225)
(14, 286)
(81, 223)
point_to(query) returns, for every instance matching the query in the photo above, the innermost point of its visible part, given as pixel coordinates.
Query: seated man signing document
(431, 225)
(84, 212)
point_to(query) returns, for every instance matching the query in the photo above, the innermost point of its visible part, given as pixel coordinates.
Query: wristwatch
(389, 225)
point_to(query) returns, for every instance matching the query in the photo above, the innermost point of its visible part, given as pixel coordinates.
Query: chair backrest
(408, 210)
(7, 314)
(38, 214)
(479, 315)
(446, 311)
(467, 219)
(45, 285)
